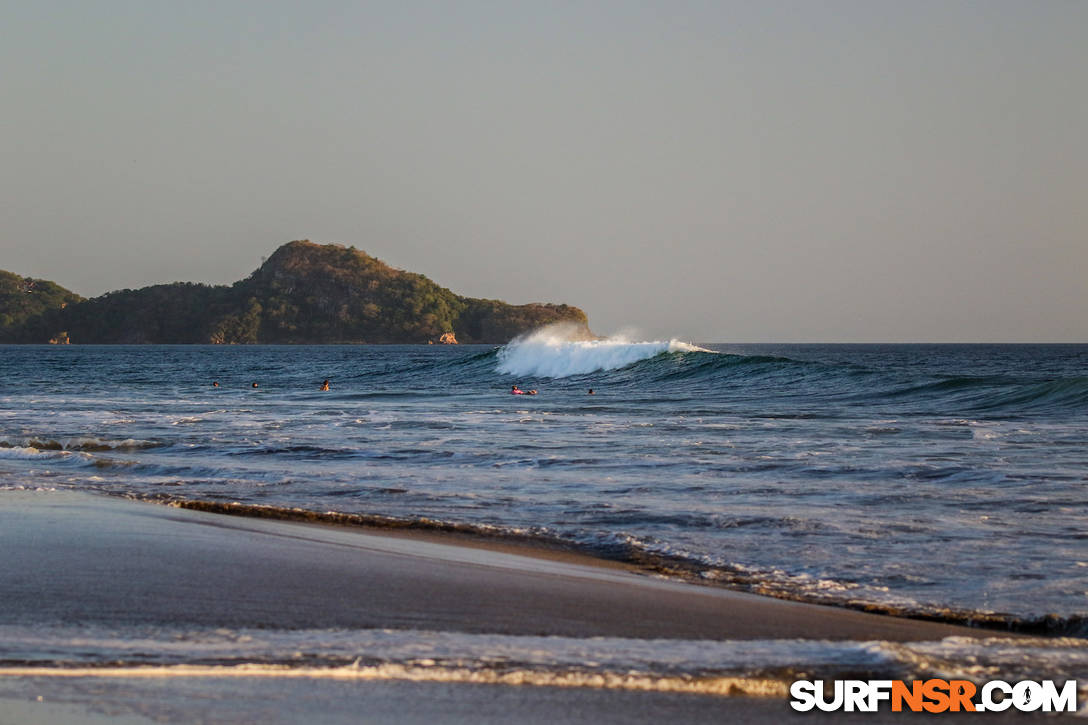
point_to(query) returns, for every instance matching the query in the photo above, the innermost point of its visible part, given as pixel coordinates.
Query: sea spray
(550, 352)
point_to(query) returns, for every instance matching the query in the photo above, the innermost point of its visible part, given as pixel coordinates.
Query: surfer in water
(325, 385)
(515, 390)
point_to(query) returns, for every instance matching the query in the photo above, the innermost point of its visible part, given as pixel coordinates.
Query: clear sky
(714, 171)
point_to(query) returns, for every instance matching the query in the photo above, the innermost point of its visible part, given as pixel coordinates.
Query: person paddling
(515, 390)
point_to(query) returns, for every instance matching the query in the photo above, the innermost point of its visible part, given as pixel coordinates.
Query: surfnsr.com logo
(934, 696)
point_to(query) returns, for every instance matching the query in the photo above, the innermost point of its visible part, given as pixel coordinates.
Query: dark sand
(71, 558)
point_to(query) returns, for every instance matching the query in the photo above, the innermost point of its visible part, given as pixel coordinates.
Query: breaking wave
(557, 352)
(552, 353)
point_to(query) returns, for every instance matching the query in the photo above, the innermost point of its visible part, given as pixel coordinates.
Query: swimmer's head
(254, 384)
(215, 383)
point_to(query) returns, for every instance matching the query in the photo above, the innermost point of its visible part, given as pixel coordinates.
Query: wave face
(825, 473)
(685, 367)
(550, 353)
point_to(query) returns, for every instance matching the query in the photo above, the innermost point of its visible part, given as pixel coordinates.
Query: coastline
(102, 594)
(634, 560)
(84, 563)
(206, 569)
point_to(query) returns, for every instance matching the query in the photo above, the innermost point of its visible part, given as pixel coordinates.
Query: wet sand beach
(86, 563)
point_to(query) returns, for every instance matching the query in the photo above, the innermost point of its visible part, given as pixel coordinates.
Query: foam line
(758, 687)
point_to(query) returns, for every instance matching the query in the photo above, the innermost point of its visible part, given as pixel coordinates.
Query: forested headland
(304, 293)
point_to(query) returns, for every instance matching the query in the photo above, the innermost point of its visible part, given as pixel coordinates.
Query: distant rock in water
(304, 293)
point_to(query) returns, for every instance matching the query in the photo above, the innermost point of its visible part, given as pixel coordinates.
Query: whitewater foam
(714, 667)
(551, 353)
(722, 686)
(29, 453)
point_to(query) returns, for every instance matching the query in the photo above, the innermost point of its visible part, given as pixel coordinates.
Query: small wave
(77, 443)
(299, 451)
(998, 394)
(711, 667)
(551, 353)
(29, 453)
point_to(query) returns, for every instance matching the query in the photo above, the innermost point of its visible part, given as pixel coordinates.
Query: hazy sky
(715, 171)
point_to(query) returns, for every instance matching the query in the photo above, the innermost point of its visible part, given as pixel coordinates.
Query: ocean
(939, 481)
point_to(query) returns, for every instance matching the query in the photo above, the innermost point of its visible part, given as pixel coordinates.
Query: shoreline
(380, 579)
(103, 595)
(637, 561)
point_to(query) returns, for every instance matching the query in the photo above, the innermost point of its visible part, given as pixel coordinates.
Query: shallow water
(935, 479)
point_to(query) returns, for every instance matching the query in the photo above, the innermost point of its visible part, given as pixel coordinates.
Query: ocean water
(948, 481)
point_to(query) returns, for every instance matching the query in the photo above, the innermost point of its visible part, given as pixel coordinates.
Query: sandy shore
(96, 560)
(80, 560)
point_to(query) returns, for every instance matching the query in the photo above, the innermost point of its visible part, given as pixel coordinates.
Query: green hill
(303, 293)
(31, 307)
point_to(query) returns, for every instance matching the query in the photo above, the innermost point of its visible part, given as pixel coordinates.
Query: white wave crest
(29, 453)
(552, 353)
